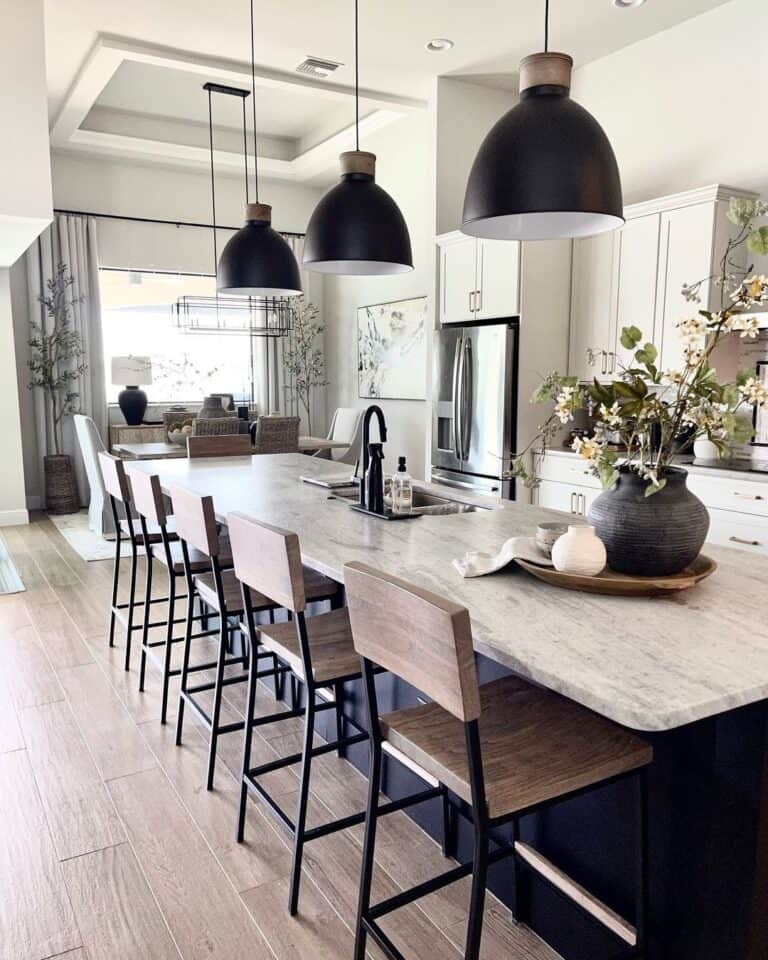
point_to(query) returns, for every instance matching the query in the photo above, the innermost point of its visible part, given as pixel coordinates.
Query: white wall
(12, 498)
(685, 108)
(402, 169)
(25, 171)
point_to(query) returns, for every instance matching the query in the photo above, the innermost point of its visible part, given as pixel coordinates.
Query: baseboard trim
(13, 518)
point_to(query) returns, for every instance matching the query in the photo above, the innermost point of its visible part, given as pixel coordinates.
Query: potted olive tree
(303, 359)
(56, 363)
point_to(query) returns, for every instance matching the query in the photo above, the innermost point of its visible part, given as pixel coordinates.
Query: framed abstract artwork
(392, 350)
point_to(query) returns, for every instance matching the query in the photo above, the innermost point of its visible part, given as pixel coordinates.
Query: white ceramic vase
(704, 449)
(580, 551)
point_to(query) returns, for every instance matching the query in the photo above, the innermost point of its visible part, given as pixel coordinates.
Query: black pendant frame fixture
(357, 229)
(546, 169)
(257, 261)
(270, 316)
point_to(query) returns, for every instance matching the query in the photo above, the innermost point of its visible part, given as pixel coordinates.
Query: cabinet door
(593, 306)
(638, 270)
(686, 245)
(498, 279)
(457, 280)
(568, 498)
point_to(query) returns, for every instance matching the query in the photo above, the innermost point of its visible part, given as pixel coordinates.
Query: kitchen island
(691, 671)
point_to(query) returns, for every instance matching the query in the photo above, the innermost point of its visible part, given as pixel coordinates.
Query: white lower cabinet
(738, 508)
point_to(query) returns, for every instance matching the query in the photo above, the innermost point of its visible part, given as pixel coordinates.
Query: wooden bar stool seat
(503, 750)
(132, 527)
(198, 561)
(536, 745)
(330, 642)
(319, 588)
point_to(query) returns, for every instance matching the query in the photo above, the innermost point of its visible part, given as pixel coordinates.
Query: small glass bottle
(402, 490)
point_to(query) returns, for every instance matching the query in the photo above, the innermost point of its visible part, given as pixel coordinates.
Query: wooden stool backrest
(115, 480)
(195, 520)
(267, 559)
(147, 495)
(238, 445)
(417, 635)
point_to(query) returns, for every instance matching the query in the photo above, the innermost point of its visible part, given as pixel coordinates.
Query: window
(137, 320)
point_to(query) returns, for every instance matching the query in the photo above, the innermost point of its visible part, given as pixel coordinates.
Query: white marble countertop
(650, 664)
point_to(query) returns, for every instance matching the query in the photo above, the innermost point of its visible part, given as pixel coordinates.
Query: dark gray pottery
(652, 536)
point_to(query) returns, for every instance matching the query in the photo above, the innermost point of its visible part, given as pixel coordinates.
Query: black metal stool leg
(641, 907)
(167, 653)
(115, 581)
(131, 604)
(447, 844)
(301, 810)
(217, 691)
(338, 693)
(184, 666)
(477, 896)
(250, 705)
(145, 621)
(369, 844)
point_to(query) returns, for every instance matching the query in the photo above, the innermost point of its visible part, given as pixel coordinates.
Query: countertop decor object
(476, 563)
(579, 551)
(650, 536)
(650, 523)
(613, 584)
(212, 408)
(357, 228)
(547, 533)
(257, 261)
(547, 168)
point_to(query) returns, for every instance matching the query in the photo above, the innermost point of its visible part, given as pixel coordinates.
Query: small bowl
(547, 533)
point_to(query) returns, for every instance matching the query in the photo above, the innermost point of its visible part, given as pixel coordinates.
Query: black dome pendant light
(546, 169)
(257, 261)
(357, 228)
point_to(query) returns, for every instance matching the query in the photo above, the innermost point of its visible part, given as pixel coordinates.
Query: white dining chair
(91, 444)
(346, 427)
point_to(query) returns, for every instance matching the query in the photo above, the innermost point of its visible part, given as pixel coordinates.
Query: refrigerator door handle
(465, 397)
(461, 485)
(455, 400)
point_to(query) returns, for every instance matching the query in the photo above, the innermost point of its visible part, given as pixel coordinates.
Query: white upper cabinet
(634, 277)
(478, 279)
(637, 274)
(687, 256)
(592, 306)
(498, 279)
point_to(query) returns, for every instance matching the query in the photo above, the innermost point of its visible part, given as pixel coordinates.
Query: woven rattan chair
(215, 427)
(277, 435)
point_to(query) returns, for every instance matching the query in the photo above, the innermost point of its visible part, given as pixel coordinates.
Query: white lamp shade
(131, 371)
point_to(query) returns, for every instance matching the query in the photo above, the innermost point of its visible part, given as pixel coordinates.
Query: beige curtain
(71, 240)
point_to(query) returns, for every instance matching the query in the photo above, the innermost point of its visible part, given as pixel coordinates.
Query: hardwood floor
(110, 846)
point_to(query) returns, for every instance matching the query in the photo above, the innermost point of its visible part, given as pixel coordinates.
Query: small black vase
(654, 536)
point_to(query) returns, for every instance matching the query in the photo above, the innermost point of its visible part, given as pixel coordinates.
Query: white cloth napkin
(477, 564)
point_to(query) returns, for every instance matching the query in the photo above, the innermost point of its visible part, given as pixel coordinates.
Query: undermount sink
(425, 503)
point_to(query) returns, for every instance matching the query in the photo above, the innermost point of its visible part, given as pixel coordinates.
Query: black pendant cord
(245, 152)
(213, 185)
(253, 106)
(546, 26)
(357, 78)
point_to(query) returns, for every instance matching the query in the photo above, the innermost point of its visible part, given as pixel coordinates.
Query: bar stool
(504, 750)
(148, 501)
(119, 491)
(319, 651)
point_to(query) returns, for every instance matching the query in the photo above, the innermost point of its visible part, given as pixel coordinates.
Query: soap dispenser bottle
(375, 478)
(402, 490)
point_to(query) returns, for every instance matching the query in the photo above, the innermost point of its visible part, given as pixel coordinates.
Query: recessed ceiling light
(439, 44)
(626, 4)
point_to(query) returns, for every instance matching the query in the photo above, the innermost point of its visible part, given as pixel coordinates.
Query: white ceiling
(211, 41)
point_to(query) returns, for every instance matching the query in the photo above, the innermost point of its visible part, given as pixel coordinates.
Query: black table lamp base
(133, 403)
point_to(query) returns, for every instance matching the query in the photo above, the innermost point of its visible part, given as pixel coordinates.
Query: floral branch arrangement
(658, 414)
(303, 359)
(56, 350)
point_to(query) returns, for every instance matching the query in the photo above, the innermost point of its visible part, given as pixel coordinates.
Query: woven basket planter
(60, 488)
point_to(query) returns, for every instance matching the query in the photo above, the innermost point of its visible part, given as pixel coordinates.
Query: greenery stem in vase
(303, 358)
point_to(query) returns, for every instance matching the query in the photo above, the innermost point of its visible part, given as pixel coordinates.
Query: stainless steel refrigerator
(474, 405)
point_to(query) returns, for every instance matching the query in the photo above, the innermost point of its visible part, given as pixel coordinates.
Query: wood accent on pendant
(261, 212)
(550, 69)
(358, 161)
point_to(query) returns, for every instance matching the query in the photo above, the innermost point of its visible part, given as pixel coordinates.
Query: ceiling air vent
(317, 67)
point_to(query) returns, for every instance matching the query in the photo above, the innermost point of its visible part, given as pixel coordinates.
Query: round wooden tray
(622, 584)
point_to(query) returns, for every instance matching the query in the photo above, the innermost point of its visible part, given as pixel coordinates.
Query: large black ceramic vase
(652, 536)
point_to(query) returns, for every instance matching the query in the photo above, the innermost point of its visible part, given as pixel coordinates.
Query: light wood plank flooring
(111, 846)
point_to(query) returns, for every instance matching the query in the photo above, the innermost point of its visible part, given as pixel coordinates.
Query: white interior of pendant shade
(260, 291)
(357, 267)
(542, 226)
